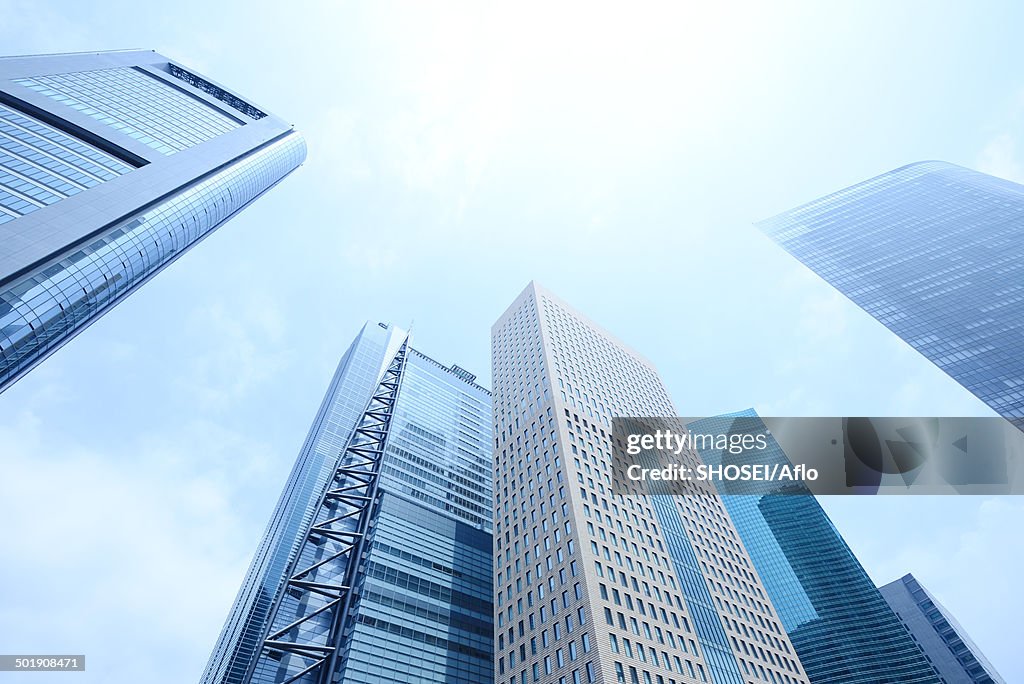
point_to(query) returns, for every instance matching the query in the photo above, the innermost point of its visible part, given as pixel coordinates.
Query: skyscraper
(946, 644)
(112, 165)
(936, 253)
(376, 564)
(591, 585)
(841, 627)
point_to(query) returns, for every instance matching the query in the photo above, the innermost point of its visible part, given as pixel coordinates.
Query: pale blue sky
(619, 156)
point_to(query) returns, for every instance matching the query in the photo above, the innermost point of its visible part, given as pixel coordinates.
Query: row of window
(138, 104)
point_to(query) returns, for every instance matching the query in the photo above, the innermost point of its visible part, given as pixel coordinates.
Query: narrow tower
(376, 565)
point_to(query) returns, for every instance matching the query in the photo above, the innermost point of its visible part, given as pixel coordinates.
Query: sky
(616, 154)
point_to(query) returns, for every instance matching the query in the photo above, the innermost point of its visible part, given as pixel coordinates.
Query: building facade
(419, 610)
(595, 586)
(945, 643)
(112, 165)
(935, 252)
(838, 622)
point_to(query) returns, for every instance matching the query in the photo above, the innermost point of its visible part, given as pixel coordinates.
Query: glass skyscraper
(841, 627)
(593, 585)
(392, 583)
(936, 253)
(112, 165)
(946, 644)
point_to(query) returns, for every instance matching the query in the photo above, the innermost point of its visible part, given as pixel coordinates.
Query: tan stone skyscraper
(591, 586)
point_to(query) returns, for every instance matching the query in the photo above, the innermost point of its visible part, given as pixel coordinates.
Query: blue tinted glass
(137, 104)
(41, 311)
(936, 253)
(40, 165)
(425, 607)
(838, 622)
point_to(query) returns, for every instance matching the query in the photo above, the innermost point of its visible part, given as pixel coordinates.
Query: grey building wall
(953, 654)
(182, 155)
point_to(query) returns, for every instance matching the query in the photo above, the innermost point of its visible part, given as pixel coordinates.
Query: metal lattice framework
(325, 586)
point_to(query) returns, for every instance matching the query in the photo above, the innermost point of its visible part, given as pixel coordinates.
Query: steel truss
(334, 550)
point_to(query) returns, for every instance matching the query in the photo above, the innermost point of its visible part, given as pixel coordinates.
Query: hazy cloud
(112, 537)
(1001, 158)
